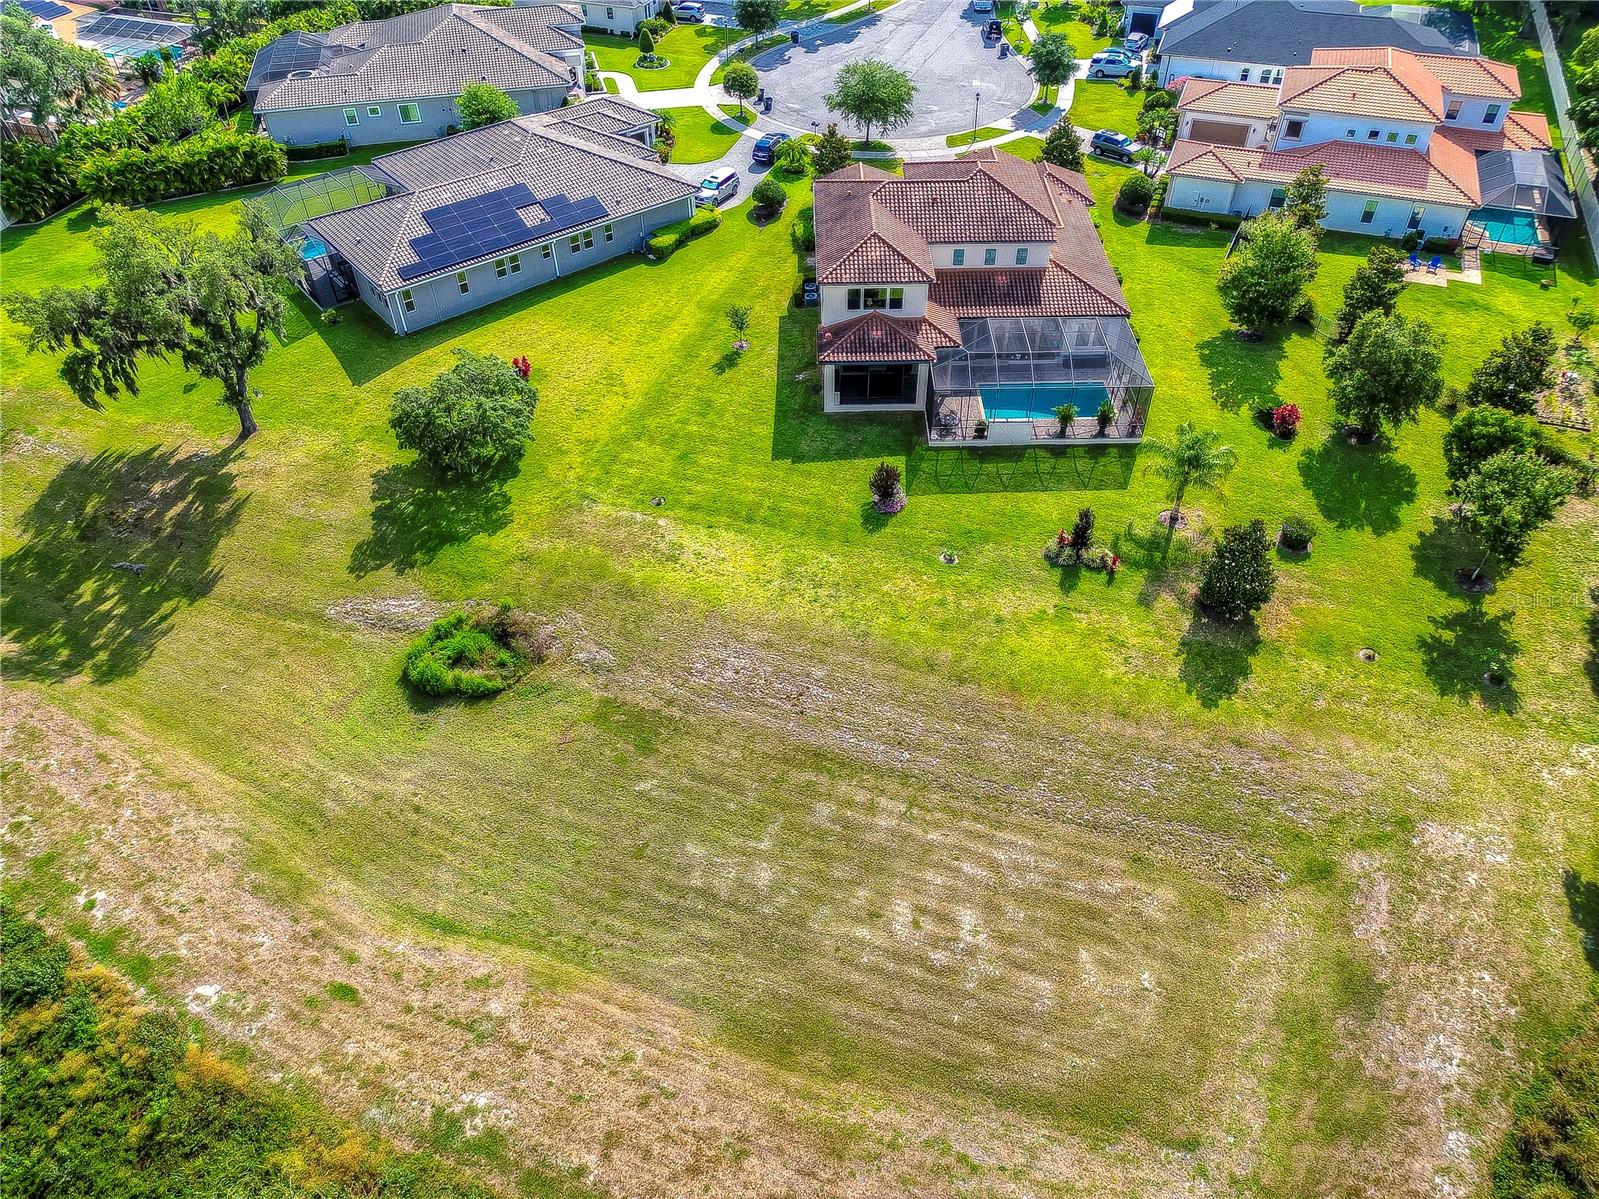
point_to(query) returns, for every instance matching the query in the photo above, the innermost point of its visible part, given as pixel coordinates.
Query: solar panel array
(45, 10)
(482, 225)
(110, 27)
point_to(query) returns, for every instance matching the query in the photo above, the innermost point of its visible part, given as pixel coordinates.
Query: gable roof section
(1445, 174)
(1521, 131)
(1462, 75)
(1219, 97)
(539, 153)
(1287, 32)
(432, 52)
(878, 337)
(1400, 89)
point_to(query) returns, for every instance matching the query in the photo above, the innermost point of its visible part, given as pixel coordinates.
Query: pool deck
(952, 422)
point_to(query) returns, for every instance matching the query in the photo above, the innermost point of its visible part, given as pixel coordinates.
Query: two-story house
(397, 80)
(1398, 136)
(976, 291)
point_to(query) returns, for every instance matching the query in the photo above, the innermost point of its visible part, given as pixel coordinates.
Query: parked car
(993, 31)
(717, 187)
(1114, 63)
(766, 149)
(1109, 144)
(689, 10)
(1136, 43)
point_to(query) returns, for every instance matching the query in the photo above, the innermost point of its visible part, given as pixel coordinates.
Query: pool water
(1026, 402)
(313, 247)
(1514, 228)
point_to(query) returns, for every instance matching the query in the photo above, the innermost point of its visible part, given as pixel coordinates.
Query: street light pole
(977, 97)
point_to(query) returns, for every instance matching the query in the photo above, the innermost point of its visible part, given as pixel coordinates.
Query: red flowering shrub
(1285, 420)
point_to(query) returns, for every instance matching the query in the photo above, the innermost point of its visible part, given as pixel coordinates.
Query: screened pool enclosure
(1011, 376)
(327, 280)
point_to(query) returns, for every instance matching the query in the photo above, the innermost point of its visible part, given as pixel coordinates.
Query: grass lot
(1062, 18)
(700, 137)
(687, 48)
(1105, 104)
(967, 138)
(983, 877)
(749, 53)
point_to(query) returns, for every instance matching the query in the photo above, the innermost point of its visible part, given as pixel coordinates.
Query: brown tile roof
(1464, 75)
(1225, 98)
(872, 227)
(877, 337)
(1522, 131)
(1445, 174)
(1399, 88)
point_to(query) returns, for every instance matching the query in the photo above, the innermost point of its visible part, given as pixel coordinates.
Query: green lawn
(1105, 104)
(1062, 18)
(686, 48)
(700, 137)
(981, 135)
(970, 878)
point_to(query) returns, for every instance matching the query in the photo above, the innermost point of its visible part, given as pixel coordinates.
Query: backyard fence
(1576, 158)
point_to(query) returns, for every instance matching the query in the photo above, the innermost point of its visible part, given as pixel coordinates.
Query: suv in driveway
(689, 10)
(1107, 143)
(766, 149)
(1114, 63)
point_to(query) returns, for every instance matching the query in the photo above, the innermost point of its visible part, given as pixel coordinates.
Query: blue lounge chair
(1415, 261)
(1432, 267)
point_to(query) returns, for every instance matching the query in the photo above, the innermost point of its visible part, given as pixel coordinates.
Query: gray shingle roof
(1286, 31)
(552, 153)
(433, 52)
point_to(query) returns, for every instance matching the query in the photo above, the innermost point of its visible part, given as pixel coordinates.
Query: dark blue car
(766, 148)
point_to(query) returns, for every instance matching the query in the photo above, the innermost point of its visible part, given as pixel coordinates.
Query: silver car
(1112, 64)
(717, 187)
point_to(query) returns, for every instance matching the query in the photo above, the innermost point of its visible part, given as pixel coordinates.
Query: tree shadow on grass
(1591, 663)
(801, 431)
(932, 471)
(1471, 652)
(1582, 895)
(1358, 487)
(1241, 374)
(1440, 551)
(1169, 563)
(1216, 658)
(159, 514)
(416, 514)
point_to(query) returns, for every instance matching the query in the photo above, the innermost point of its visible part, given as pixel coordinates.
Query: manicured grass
(1062, 18)
(988, 847)
(1030, 148)
(981, 135)
(687, 48)
(1105, 104)
(749, 53)
(700, 137)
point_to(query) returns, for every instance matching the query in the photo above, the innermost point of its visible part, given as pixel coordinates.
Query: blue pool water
(1516, 228)
(1012, 401)
(313, 247)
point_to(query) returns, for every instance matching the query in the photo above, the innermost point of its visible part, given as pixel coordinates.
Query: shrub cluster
(1550, 1150)
(210, 161)
(333, 149)
(1135, 194)
(475, 654)
(670, 238)
(471, 419)
(1239, 578)
(1296, 534)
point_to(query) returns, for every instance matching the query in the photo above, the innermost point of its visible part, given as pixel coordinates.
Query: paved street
(938, 43)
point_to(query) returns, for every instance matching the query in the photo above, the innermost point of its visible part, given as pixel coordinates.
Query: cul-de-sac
(799, 599)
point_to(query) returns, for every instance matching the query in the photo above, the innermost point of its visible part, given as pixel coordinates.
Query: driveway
(938, 43)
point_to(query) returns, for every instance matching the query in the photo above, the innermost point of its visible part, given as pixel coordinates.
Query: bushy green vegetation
(473, 653)
(1551, 1150)
(105, 1097)
(671, 237)
(470, 420)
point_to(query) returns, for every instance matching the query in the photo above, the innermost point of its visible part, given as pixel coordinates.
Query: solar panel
(482, 225)
(108, 26)
(45, 10)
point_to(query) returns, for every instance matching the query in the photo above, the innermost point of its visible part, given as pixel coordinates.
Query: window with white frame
(547, 250)
(959, 256)
(1492, 115)
(1453, 111)
(1294, 130)
(1021, 255)
(374, 110)
(352, 117)
(891, 298)
(610, 233)
(501, 268)
(1243, 75)
(1369, 213)
(1410, 139)
(516, 263)
(410, 114)
(990, 256)
(407, 300)
(460, 281)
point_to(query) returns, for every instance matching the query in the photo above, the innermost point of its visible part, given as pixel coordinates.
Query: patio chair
(1415, 261)
(1432, 267)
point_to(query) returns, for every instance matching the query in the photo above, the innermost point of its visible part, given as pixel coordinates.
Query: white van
(717, 188)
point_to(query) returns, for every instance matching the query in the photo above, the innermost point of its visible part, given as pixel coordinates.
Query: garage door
(1221, 133)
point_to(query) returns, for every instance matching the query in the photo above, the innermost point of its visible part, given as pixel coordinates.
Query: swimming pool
(313, 247)
(1510, 227)
(1024, 401)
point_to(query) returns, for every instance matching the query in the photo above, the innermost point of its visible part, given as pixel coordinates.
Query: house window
(407, 300)
(516, 264)
(1492, 115)
(610, 13)
(1370, 212)
(990, 256)
(610, 233)
(1351, 134)
(374, 110)
(852, 299)
(1453, 111)
(1294, 130)
(1410, 139)
(1372, 134)
(1415, 218)
(1021, 255)
(460, 281)
(547, 249)
(1243, 75)
(410, 114)
(876, 297)
(959, 256)
(1279, 197)
(351, 117)
(1393, 136)
(500, 268)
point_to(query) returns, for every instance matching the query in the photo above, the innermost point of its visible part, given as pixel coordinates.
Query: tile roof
(548, 154)
(877, 337)
(1400, 89)
(877, 228)
(1224, 98)
(1464, 75)
(1286, 32)
(1521, 131)
(1445, 174)
(432, 52)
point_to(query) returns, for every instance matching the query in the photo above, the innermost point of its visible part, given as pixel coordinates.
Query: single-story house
(475, 217)
(397, 80)
(618, 16)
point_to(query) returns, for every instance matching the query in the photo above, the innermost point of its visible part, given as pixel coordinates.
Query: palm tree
(1194, 458)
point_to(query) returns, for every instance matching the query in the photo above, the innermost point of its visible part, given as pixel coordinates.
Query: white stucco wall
(1335, 127)
(1344, 209)
(1175, 66)
(1472, 111)
(835, 302)
(1004, 254)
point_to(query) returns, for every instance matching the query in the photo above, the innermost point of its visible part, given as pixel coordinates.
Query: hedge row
(669, 238)
(335, 149)
(211, 161)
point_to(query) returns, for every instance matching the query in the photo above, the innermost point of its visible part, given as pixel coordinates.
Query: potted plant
(980, 429)
(1065, 414)
(1295, 534)
(1105, 415)
(888, 496)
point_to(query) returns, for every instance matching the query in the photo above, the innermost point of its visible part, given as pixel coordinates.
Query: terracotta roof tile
(1400, 88)
(1464, 75)
(877, 337)
(1225, 98)
(1445, 174)
(1522, 131)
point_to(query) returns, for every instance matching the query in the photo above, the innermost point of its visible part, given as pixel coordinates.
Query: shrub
(1285, 420)
(470, 419)
(803, 233)
(35, 181)
(886, 481)
(795, 157)
(669, 238)
(769, 196)
(1106, 414)
(1516, 370)
(458, 655)
(1065, 414)
(1240, 577)
(483, 104)
(333, 149)
(1296, 533)
(1262, 283)
(210, 161)
(654, 26)
(1082, 535)
(1410, 241)
(1477, 434)
(1158, 200)
(1135, 193)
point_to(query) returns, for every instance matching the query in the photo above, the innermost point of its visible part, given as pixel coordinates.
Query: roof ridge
(509, 40)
